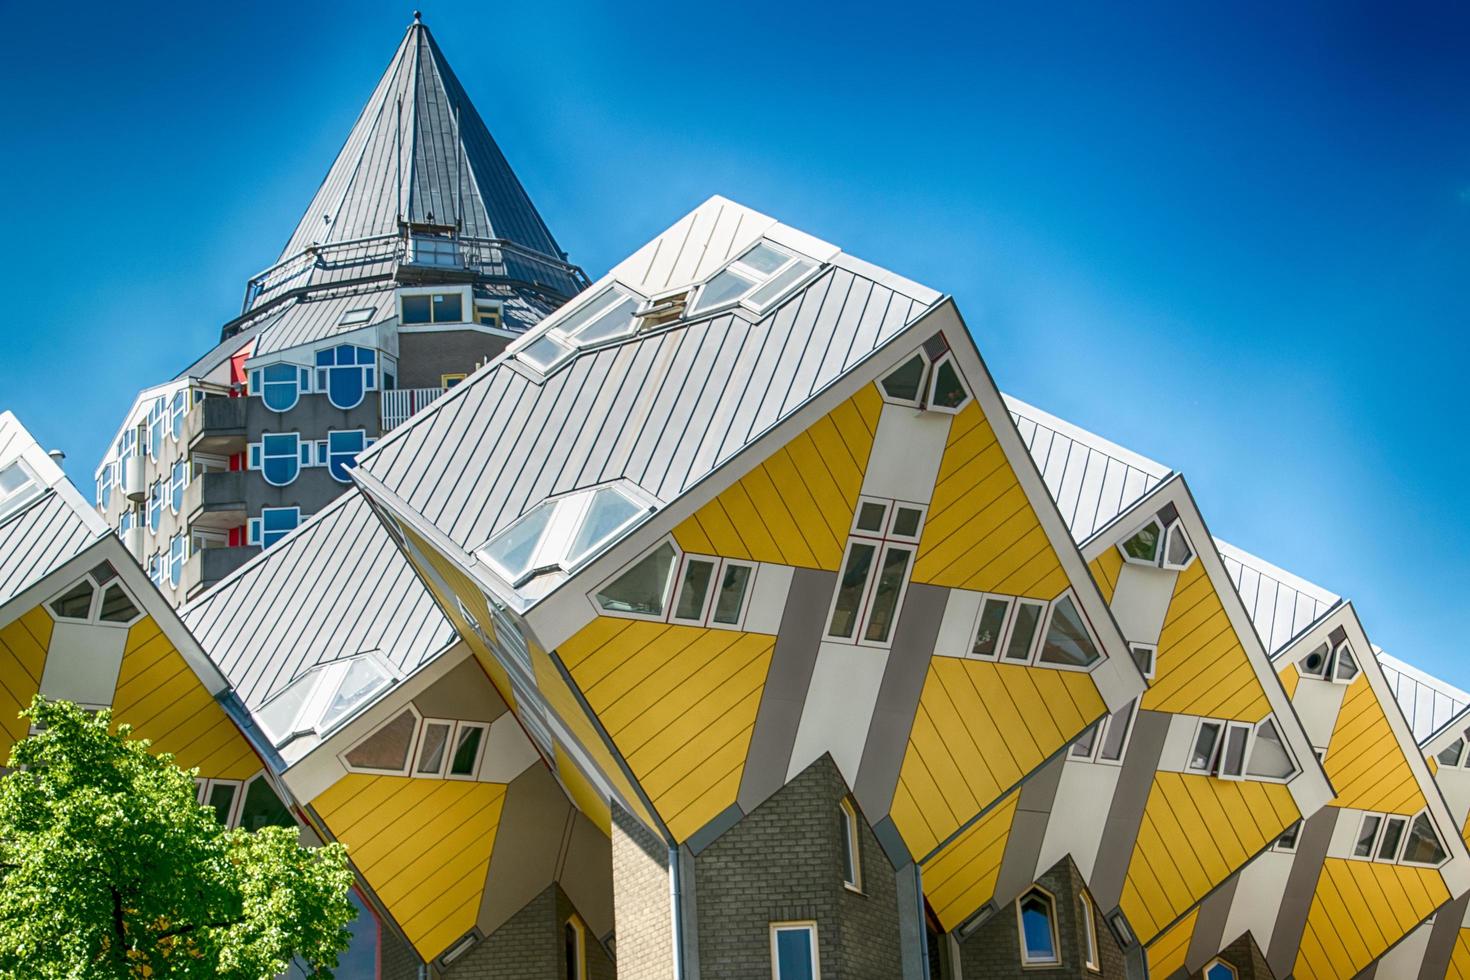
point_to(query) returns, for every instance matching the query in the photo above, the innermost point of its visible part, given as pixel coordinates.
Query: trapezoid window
(387, 749)
(643, 589)
(1036, 921)
(929, 378)
(562, 533)
(346, 372)
(278, 457)
(356, 317)
(1286, 843)
(343, 447)
(1451, 754)
(1269, 756)
(906, 382)
(760, 276)
(74, 603)
(1331, 662)
(1159, 544)
(98, 598)
(947, 391)
(261, 807)
(1423, 845)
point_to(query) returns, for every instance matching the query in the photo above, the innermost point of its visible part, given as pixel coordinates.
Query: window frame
(1439, 839)
(1027, 960)
(1388, 820)
(1218, 962)
(422, 737)
(710, 601)
(569, 342)
(851, 847)
(568, 514)
(933, 379)
(410, 757)
(808, 926)
(1281, 846)
(98, 597)
(1153, 658)
(1176, 526)
(206, 787)
(882, 547)
(1039, 642)
(1249, 731)
(670, 587)
(1091, 960)
(474, 774)
(1209, 767)
(1254, 740)
(368, 372)
(756, 279)
(301, 384)
(575, 924)
(179, 540)
(331, 454)
(255, 527)
(1001, 636)
(1041, 622)
(1135, 532)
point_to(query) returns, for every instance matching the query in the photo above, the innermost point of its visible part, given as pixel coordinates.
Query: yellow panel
(1359, 910)
(961, 878)
(1105, 569)
(680, 704)
(1460, 958)
(1290, 678)
(1365, 761)
(1196, 832)
(587, 797)
(1166, 954)
(796, 507)
(165, 702)
(23, 644)
(1202, 668)
(980, 728)
(425, 851)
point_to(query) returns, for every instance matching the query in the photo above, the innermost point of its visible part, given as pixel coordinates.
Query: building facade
(719, 618)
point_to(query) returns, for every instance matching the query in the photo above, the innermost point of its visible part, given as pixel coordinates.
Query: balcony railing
(401, 404)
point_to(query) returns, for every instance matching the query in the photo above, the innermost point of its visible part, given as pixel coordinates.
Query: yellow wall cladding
(23, 646)
(1196, 832)
(1460, 957)
(159, 694)
(980, 728)
(1105, 570)
(1167, 953)
(797, 506)
(1202, 666)
(680, 704)
(1290, 678)
(982, 532)
(1359, 910)
(961, 878)
(1365, 761)
(423, 845)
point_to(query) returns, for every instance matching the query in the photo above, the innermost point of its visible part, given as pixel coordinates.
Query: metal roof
(420, 152)
(318, 317)
(1428, 702)
(662, 408)
(335, 587)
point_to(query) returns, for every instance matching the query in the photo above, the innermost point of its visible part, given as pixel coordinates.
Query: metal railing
(401, 404)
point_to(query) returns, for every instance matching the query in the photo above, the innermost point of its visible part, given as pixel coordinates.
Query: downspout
(676, 901)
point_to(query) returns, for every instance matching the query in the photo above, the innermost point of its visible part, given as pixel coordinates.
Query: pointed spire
(419, 152)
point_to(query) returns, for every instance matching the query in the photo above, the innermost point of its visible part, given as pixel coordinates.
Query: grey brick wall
(530, 946)
(1245, 956)
(641, 905)
(993, 952)
(783, 862)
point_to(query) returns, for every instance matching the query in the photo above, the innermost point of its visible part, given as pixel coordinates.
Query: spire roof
(419, 152)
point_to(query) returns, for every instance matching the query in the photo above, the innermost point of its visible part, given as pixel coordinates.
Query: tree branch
(182, 930)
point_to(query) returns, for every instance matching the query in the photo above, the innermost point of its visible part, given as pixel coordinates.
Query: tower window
(851, 856)
(1036, 920)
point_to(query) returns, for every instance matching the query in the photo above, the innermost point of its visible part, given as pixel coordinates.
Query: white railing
(401, 404)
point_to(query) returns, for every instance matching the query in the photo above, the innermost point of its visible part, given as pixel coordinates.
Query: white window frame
(756, 278)
(1398, 849)
(412, 756)
(918, 400)
(568, 343)
(474, 773)
(1336, 664)
(1439, 836)
(1372, 854)
(1090, 958)
(1176, 527)
(1245, 751)
(933, 379)
(1100, 729)
(257, 384)
(569, 510)
(372, 373)
(852, 846)
(1153, 658)
(807, 926)
(466, 304)
(324, 453)
(1009, 601)
(1278, 844)
(1041, 623)
(176, 570)
(1205, 973)
(422, 739)
(706, 617)
(1045, 628)
(1219, 747)
(206, 786)
(255, 457)
(1296, 768)
(1163, 540)
(1026, 958)
(255, 526)
(94, 605)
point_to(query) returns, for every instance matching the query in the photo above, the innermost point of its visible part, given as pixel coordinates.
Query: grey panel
(898, 696)
(464, 694)
(710, 832)
(36, 540)
(1209, 936)
(1301, 885)
(1442, 937)
(1125, 814)
(528, 841)
(1028, 830)
(787, 680)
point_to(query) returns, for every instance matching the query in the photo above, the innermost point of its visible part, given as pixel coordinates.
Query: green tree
(109, 868)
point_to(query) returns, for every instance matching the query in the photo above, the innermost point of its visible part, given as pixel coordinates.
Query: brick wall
(1245, 956)
(993, 952)
(643, 922)
(531, 946)
(397, 960)
(783, 862)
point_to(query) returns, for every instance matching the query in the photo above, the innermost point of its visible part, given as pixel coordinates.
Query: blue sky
(1230, 237)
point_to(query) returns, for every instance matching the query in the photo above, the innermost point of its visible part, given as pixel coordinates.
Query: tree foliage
(109, 868)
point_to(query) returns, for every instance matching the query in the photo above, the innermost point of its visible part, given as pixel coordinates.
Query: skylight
(324, 697)
(560, 534)
(361, 315)
(17, 487)
(609, 315)
(760, 276)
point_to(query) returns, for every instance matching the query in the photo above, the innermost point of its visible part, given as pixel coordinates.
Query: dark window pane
(416, 309)
(992, 619)
(731, 596)
(116, 606)
(387, 748)
(1067, 642)
(262, 808)
(641, 588)
(75, 603)
(431, 754)
(1144, 545)
(466, 751)
(1423, 846)
(850, 590)
(1204, 747)
(1367, 832)
(870, 516)
(904, 382)
(1027, 619)
(906, 522)
(794, 954)
(222, 798)
(1392, 834)
(949, 392)
(448, 308)
(1117, 734)
(885, 598)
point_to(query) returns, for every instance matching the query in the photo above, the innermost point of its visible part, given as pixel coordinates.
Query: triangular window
(385, 750)
(1068, 642)
(643, 589)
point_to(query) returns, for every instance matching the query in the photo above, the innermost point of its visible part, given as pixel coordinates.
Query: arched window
(279, 386)
(279, 457)
(345, 373)
(1036, 920)
(342, 450)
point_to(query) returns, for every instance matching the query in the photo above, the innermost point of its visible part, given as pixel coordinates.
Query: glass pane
(723, 288)
(222, 798)
(1347, 667)
(616, 321)
(387, 748)
(1204, 747)
(1082, 748)
(1450, 756)
(1392, 834)
(731, 597)
(871, 516)
(466, 750)
(694, 588)
(906, 522)
(763, 258)
(1117, 734)
(76, 603)
(262, 808)
(1423, 845)
(1235, 740)
(431, 751)
(1067, 641)
(1287, 841)
(1036, 929)
(1315, 662)
(544, 352)
(1269, 757)
(794, 955)
(1144, 545)
(902, 383)
(1219, 971)
(345, 386)
(885, 598)
(1028, 617)
(609, 512)
(448, 308)
(1179, 551)
(777, 287)
(1367, 832)
(641, 589)
(514, 548)
(850, 590)
(849, 866)
(570, 939)
(363, 679)
(416, 309)
(948, 392)
(1144, 658)
(992, 619)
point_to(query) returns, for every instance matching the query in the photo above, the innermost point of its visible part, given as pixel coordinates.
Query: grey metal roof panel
(1281, 604)
(317, 317)
(38, 539)
(479, 458)
(1428, 703)
(335, 587)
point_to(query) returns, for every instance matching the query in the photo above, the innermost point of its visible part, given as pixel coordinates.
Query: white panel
(955, 628)
(768, 599)
(1454, 784)
(1317, 703)
(1344, 832)
(82, 664)
(1078, 814)
(1405, 959)
(560, 618)
(508, 752)
(1141, 601)
(1258, 895)
(839, 706)
(1178, 742)
(907, 451)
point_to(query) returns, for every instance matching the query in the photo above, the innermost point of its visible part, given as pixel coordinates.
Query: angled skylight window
(359, 315)
(324, 697)
(17, 486)
(609, 315)
(562, 533)
(761, 275)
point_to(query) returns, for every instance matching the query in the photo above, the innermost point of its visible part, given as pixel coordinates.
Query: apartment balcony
(399, 405)
(216, 501)
(216, 425)
(207, 567)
